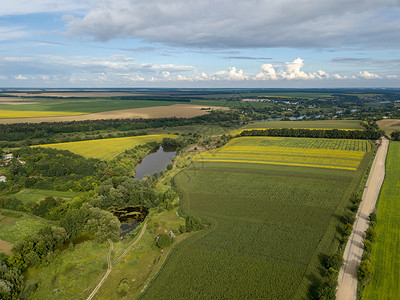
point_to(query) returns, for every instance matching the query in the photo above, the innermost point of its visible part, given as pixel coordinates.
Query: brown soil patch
(6, 247)
(6, 221)
(389, 125)
(176, 110)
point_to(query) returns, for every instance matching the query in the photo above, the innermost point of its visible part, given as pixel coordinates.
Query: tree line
(315, 133)
(16, 135)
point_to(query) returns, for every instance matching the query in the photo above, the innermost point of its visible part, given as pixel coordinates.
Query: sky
(199, 44)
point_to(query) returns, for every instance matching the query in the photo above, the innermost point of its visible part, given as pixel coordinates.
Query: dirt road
(347, 282)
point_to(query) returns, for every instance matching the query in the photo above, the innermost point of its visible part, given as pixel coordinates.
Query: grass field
(34, 195)
(326, 153)
(107, 148)
(75, 273)
(72, 275)
(269, 224)
(9, 114)
(83, 106)
(385, 254)
(17, 225)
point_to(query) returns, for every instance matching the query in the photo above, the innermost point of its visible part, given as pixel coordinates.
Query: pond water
(154, 162)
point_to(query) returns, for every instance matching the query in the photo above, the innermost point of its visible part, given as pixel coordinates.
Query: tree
(395, 135)
(103, 225)
(364, 271)
(370, 234)
(164, 240)
(193, 224)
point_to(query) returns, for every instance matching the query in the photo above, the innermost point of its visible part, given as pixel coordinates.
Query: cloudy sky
(207, 43)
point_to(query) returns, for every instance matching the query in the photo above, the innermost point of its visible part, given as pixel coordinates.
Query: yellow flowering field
(8, 114)
(107, 148)
(325, 153)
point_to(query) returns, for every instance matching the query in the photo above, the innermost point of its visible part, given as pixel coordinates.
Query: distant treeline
(315, 133)
(41, 133)
(153, 98)
(133, 97)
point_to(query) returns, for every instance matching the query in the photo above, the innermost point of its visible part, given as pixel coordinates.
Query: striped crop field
(8, 114)
(309, 152)
(107, 148)
(239, 131)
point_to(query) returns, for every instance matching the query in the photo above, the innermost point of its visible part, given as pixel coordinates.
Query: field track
(176, 110)
(110, 266)
(347, 288)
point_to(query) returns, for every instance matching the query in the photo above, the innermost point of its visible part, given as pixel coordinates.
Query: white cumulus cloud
(20, 77)
(368, 75)
(268, 73)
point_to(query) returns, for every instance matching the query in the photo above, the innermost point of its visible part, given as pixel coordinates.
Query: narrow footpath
(347, 282)
(110, 265)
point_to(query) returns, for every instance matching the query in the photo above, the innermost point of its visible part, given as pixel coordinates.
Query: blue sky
(191, 43)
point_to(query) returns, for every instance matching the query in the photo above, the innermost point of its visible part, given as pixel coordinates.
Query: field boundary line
(348, 281)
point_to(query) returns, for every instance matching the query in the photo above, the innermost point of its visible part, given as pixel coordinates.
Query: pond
(155, 162)
(130, 217)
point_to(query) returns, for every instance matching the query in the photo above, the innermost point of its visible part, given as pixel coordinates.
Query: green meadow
(385, 255)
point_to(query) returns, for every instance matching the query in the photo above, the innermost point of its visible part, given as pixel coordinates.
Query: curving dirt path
(347, 282)
(110, 265)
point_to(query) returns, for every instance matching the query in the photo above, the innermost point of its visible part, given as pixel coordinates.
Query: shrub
(334, 261)
(123, 287)
(364, 271)
(193, 224)
(164, 240)
(370, 234)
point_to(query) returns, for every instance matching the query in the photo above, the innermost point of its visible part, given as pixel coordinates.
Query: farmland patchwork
(325, 153)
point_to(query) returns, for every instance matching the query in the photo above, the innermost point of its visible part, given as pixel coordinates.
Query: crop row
(290, 151)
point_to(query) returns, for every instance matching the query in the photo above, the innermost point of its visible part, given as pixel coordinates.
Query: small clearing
(5, 247)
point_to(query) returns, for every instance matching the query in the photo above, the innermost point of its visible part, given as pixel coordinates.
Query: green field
(107, 148)
(84, 105)
(323, 124)
(385, 256)
(268, 226)
(35, 195)
(325, 153)
(19, 225)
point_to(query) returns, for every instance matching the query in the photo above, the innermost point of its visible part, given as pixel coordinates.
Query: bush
(193, 224)
(367, 246)
(123, 287)
(364, 271)
(164, 240)
(370, 234)
(347, 229)
(372, 217)
(334, 261)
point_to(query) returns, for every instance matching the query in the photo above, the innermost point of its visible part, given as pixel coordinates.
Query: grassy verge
(385, 255)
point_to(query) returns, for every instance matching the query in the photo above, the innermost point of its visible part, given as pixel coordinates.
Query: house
(3, 178)
(8, 157)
